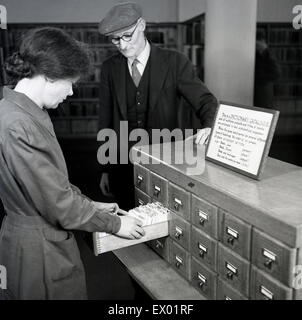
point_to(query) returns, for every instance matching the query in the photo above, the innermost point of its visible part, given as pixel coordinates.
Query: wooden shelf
(155, 275)
(101, 49)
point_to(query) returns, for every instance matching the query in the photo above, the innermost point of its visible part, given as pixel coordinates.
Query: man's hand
(104, 185)
(202, 136)
(131, 228)
(109, 208)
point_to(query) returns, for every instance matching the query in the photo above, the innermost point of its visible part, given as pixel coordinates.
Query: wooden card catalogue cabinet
(230, 236)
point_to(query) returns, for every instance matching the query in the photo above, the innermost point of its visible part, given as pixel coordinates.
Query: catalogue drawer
(180, 231)
(161, 246)
(265, 287)
(141, 198)
(204, 248)
(236, 234)
(104, 242)
(180, 260)
(159, 188)
(204, 216)
(233, 269)
(227, 292)
(141, 178)
(203, 279)
(273, 257)
(179, 201)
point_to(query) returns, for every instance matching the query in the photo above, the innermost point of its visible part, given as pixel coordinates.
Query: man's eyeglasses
(125, 37)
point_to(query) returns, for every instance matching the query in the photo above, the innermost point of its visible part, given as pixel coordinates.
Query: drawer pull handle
(156, 191)
(230, 275)
(268, 264)
(231, 241)
(233, 235)
(159, 245)
(139, 179)
(141, 202)
(231, 270)
(202, 250)
(270, 258)
(177, 204)
(178, 262)
(178, 233)
(201, 254)
(203, 217)
(268, 295)
(203, 280)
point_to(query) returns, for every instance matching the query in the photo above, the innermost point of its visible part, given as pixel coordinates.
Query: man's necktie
(136, 76)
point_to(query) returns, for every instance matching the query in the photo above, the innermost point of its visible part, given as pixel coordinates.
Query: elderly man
(144, 85)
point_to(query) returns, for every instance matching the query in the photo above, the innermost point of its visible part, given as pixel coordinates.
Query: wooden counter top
(155, 275)
(273, 204)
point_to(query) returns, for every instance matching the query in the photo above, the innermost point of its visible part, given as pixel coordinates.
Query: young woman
(41, 257)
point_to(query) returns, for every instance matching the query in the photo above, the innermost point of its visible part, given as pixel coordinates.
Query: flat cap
(120, 17)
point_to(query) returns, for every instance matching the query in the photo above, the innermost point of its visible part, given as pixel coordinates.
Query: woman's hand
(109, 208)
(131, 228)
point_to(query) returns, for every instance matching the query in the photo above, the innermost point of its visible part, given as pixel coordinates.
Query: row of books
(89, 35)
(280, 35)
(288, 107)
(193, 33)
(288, 90)
(195, 53)
(86, 91)
(291, 72)
(95, 75)
(289, 125)
(78, 108)
(99, 54)
(288, 54)
(290, 118)
(165, 37)
(70, 126)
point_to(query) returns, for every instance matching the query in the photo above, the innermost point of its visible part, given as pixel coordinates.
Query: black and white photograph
(150, 153)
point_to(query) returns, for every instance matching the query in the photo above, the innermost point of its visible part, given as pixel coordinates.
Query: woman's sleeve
(36, 168)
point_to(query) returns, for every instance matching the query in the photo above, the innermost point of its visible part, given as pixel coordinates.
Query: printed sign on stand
(241, 138)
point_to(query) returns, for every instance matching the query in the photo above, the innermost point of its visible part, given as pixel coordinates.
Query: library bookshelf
(77, 117)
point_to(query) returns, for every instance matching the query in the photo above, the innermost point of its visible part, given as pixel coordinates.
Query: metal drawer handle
(230, 240)
(203, 217)
(141, 202)
(140, 179)
(179, 262)
(268, 264)
(177, 204)
(203, 280)
(202, 250)
(231, 271)
(270, 258)
(268, 295)
(233, 235)
(178, 232)
(156, 191)
(158, 245)
(230, 275)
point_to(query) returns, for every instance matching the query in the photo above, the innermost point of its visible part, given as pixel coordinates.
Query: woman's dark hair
(50, 52)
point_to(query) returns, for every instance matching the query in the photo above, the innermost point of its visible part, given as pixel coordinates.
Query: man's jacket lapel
(119, 80)
(158, 71)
